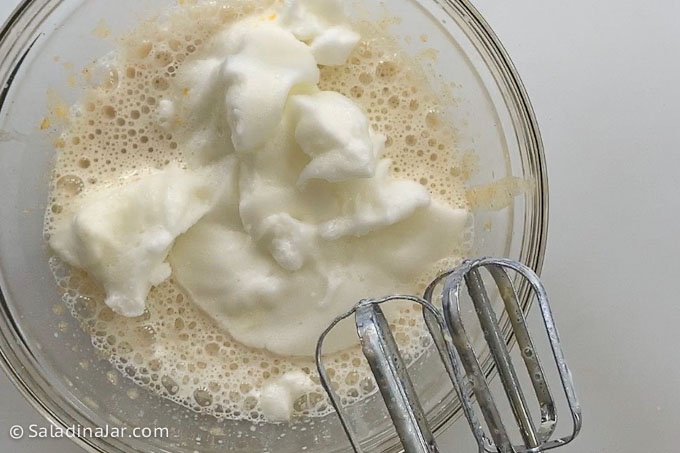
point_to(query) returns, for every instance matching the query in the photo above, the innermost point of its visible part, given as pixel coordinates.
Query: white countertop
(604, 80)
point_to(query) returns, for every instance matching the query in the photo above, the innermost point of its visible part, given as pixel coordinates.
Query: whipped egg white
(122, 235)
(310, 221)
(286, 214)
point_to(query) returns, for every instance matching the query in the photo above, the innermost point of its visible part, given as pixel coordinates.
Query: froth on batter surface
(118, 128)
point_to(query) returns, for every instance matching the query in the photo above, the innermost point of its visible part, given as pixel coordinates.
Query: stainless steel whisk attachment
(455, 348)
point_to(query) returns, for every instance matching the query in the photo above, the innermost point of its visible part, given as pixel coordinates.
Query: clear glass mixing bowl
(43, 349)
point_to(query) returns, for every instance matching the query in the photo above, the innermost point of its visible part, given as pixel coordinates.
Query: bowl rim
(14, 352)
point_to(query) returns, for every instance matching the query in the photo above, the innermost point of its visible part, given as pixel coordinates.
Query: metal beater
(455, 349)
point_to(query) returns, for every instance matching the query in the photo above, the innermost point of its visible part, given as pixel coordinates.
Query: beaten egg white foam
(287, 215)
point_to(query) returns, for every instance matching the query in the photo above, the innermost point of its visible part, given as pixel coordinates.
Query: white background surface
(604, 80)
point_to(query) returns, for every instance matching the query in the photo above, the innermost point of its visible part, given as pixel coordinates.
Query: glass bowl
(50, 359)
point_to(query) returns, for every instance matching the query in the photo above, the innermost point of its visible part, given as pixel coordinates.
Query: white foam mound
(273, 215)
(122, 235)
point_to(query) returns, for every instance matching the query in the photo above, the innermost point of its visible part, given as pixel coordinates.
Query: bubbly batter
(249, 172)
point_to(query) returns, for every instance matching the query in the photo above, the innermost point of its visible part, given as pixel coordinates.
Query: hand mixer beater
(455, 349)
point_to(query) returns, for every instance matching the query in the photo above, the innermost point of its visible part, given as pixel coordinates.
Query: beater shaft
(455, 349)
